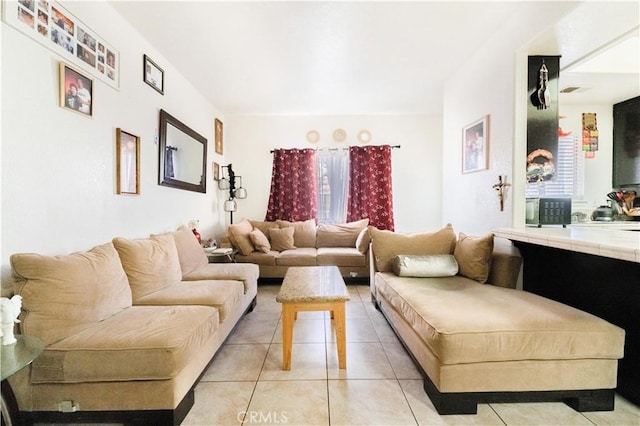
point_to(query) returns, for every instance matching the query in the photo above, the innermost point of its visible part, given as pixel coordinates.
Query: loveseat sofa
(277, 245)
(128, 326)
(453, 303)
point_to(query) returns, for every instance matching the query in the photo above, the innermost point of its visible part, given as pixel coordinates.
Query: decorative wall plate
(364, 136)
(313, 136)
(339, 135)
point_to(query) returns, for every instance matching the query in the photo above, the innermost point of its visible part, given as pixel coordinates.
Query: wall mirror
(182, 155)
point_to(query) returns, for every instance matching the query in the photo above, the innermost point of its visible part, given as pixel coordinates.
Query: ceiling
(321, 57)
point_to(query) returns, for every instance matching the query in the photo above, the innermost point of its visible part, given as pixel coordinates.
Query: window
(569, 182)
(333, 184)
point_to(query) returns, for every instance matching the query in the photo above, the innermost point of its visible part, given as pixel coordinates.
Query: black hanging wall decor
(542, 118)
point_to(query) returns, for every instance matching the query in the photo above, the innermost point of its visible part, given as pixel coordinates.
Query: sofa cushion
(138, 343)
(93, 282)
(190, 253)
(151, 264)
(239, 234)
(281, 239)
(259, 240)
(343, 235)
(245, 272)
(305, 256)
(341, 256)
(463, 321)
(304, 232)
(259, 258)
(435, 265)
(474, 255)
(363, 241)
(387, 244)
(225, 295)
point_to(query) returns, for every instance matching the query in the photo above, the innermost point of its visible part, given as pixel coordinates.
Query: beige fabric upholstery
(139, 343)
(342, 256)
(239, 234)
(297, 257)
(223, 295)
(263, 226)
(281, 239)
(93, 283)
(343, 235)
(304, 232)
(246, 273)
(260, 241)
(190, 253)
(474, 255)
(363, 241)
(462, 321)
(388, 244)
(151, 264)
(259, 258)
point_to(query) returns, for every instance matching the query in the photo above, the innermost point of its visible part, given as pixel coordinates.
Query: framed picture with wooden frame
(475, 146)
(76, 90)
(218, 137)
(127, 163)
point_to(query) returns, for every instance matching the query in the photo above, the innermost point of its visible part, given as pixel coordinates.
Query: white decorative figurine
(9, 311)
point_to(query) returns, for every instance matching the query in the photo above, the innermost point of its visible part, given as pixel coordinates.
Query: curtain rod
(337, 149)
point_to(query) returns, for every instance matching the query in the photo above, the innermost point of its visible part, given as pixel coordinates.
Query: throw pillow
(240, 235)
(304, 232)
(263, 226)
(387, 244)
(281, 239)
(435, 265)
(343, 235)
(260, 241)
(473, 255)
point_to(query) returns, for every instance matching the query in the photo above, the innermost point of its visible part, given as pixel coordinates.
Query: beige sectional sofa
(128, 326)
(478, 339)
(275, 246)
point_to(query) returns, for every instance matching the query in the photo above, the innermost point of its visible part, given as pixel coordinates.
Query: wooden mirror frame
(164, 178)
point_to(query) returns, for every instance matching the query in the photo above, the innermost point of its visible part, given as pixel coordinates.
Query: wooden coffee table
(313, 288)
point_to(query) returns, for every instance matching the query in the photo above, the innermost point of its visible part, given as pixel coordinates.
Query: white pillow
(429, 266)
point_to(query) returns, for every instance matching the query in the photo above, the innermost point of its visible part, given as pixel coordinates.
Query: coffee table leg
(288, 315)
(341, 333)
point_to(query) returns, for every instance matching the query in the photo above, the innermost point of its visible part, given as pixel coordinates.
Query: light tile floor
(380, 386)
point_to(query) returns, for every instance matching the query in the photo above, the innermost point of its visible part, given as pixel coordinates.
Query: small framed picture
(216, 171)
(153, 75)
(475, 146)
(76, 90)
(218, 137)
(127, 163)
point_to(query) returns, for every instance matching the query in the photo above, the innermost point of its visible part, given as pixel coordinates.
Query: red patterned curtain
(370, 191)
(294, 190)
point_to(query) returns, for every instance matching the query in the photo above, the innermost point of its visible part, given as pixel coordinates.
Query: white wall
(417, 165)
(486, 84)
(58, 167)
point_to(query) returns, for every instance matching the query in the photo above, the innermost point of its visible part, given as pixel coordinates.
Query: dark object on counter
(548, 211)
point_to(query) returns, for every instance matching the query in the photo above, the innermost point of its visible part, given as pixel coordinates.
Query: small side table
(14, 358)
(227, 257)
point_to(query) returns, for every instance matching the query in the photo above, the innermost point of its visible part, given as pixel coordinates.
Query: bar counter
(594, 267)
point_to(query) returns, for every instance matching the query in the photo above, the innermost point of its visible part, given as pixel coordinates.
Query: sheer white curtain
(333, 185)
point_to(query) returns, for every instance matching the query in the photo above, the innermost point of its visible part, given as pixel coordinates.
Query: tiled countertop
(619, 240)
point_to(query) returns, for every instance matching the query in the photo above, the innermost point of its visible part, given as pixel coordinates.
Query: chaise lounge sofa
(128, 326)
(277, 245)
(453, 304)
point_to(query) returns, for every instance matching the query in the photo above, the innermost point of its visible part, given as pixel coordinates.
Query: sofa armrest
(506, 263)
